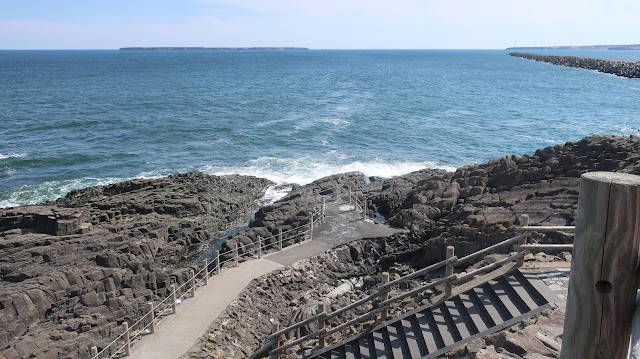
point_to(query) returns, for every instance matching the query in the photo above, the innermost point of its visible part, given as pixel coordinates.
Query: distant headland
(210, 48)
(589, 47)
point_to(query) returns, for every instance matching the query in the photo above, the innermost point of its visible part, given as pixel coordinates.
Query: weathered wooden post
(152, 317)
(192, 282)
(604, 269)
(355, 201)
(127, 339)
(350, 195)
(311, 227)
(94, 353)
(259, 247)
(218, 262)
(174, 305)
(280, 239)
(449, 271)
(315, 198)
(524, 221)
(384, 295)
(275, 327)
(235, 254)
(321, 325)
(206, 271)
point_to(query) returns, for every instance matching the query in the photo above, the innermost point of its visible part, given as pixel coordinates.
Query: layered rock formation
(471, 208)
(615, 67)
(72, 271)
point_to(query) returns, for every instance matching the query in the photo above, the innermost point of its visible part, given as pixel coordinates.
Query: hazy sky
(320, 24)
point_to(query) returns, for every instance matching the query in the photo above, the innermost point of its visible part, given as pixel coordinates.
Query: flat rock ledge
(621, 68)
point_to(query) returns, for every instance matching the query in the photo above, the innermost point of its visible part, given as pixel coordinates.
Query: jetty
(623, 68)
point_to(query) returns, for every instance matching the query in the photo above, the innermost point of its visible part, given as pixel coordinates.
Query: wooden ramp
(430, 331)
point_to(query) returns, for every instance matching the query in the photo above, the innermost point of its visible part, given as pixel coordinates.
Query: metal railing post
(524, 221)
(321, 325)
(127, 339)
(235, 254)
(259, 247)
(206, 271)
(364, 210)
(218, 262)
(174, 308)
(192, 282)
(449, 271)
(152, 316)
(280, 239)
(384, 295)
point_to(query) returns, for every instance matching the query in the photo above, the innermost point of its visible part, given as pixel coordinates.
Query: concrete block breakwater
(622, 68)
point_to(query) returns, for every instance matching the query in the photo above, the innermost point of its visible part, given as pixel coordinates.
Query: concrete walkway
(175, 334)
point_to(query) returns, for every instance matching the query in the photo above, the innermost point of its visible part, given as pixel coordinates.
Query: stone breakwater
(471, 208)
(72, 271)
(621, 68)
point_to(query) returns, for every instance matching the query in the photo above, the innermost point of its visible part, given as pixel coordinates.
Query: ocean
(73, 119)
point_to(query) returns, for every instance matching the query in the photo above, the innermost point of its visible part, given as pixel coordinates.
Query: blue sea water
(72, 119)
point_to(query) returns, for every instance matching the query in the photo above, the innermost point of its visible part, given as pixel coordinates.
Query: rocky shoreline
(630, 69)
(476, 206)
(72, 271)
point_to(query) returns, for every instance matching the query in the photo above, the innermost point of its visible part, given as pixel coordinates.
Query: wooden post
(174, 308)
(280, 239)
(604, 269)
(235, 253)
(323, 207)
(275, 327)
(94, 353)
(321, 325)
(206, 271)
(259, 247)
(127, 340)
(311, 227)
(350, 199)
(315, 199)
(192, 283)
(355, 201)
(384, 295)
(337, 192)
(218, 262)
(449, 271)
(152, 316)
(524, 221)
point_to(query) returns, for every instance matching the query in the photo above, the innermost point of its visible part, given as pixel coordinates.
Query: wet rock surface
(471, 208)
(73, 270)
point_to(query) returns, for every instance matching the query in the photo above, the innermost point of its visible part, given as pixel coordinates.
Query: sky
(318, 24)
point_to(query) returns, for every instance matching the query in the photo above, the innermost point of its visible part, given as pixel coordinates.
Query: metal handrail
(317, 213)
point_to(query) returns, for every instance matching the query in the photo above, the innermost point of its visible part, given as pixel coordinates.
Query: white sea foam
(306, 170)
(49, 191)
(13, 155)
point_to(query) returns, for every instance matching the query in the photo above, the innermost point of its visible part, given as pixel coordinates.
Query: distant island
(589, 47)
(210, 48)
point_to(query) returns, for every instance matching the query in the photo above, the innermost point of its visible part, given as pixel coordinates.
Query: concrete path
(175, 334)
